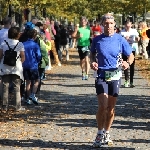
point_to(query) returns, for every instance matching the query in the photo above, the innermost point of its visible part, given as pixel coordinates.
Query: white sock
(100, 132)
(106, 131)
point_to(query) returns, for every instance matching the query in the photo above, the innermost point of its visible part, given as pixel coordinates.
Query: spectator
(96, 29)
(47, 29)
(30, 66)
(144, 39)
(4, 35)
(64, 42)
(12, 74)
(44, 60)
(71, 30)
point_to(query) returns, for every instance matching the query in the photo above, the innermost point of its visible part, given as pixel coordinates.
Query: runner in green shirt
(83, 33)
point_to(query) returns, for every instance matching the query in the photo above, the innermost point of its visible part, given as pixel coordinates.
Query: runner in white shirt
(132, 36)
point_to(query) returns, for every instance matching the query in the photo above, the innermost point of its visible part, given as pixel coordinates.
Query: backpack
(10, 56)
(64, 36)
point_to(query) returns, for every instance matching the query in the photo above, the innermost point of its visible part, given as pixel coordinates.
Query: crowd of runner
(26, 53)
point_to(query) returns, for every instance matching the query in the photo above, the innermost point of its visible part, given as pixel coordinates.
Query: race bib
(113, 75)
(84, 49)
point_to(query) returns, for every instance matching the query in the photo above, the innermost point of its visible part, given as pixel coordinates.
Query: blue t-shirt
(32, 54)
(109, 51)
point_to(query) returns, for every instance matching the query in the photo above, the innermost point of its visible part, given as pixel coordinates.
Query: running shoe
(107, 139)
(99, 141)
(132, 85)
(126, 84)
(29, 101)
(83, 76)
(86, 77)
(35, 100)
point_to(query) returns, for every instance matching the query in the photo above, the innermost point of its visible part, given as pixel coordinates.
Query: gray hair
(84, 18)
(107, 16)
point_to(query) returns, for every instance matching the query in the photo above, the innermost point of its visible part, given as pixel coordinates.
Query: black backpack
(10, 56)
(63, 36)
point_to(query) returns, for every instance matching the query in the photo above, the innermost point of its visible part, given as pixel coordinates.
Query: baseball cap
(29, 25)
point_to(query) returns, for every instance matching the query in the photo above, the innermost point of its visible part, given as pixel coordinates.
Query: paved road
(65, 117)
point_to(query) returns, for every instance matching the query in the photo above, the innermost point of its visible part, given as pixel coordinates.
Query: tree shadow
(55, 145)
(55, 105)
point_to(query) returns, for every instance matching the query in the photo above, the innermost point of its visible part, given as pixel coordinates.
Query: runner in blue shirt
(108, 48)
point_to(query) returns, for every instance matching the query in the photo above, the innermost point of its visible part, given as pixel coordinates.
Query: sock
(100, 132)
(106, 131)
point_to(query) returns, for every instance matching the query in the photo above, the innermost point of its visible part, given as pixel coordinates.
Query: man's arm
(93, 63)
(130, 59)
(53, 30)
(22, 56)
(91, 33)
(137, 38)
(92, 57)
(126, 64)
(127, 50)
(74, 34)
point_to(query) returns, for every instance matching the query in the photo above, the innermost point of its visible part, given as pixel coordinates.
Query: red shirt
(96, 30)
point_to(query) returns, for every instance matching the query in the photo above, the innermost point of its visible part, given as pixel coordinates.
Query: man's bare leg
(110, 112)
(82, 64)
(87, 65)
(28, 89)
(35, 86)
(102, 110)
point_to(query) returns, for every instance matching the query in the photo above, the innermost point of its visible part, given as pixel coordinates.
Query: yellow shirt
(48, 45)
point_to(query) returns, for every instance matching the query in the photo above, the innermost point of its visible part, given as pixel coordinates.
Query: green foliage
(76, 8)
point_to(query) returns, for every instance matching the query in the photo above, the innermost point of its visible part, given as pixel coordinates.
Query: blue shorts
(31, 74)
(109, 87)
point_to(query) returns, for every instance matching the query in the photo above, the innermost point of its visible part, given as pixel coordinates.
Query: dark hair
(128, 21)
(13, 32)
(32, 34)
(38, 24)
(7, 21)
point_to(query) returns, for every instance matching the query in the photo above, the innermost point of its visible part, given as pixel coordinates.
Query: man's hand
(94, 66)
(127, 38)
(81, 35)
(76, 28)
(125, 65)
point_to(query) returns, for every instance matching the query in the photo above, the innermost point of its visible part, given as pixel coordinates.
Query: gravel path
(65, 117)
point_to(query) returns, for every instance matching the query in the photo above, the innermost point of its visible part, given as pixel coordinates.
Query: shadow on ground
(55, 105)
(50, 144)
